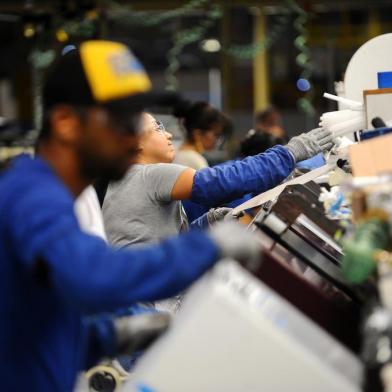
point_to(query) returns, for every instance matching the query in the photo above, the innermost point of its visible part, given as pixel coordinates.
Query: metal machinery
(291, 322)
(368, 261)
(302, 261)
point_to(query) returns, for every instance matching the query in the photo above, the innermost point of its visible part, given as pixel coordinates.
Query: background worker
(52, 273)
(255, 142)
(269, 122)
(145, 206)
(203, 125)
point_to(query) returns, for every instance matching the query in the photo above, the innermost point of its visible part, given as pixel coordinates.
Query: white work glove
(137, 332)
(222, 213)
(307, 145)
(235, 242)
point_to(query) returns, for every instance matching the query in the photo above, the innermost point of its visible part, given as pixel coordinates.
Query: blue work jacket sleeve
(92, 276)
(213, 186)
(87, 272)
(200, 223)
(100, 337)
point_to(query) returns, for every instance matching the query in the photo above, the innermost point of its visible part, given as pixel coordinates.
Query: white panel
(361, 73)
(235, 334)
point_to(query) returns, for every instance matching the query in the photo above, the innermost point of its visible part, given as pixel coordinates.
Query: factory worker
(145, 206)
(53, 275)
(204, 126)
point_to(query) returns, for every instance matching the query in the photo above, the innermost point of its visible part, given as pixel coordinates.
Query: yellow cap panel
(112, 71)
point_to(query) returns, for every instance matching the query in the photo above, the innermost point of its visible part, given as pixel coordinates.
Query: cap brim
(142, 101)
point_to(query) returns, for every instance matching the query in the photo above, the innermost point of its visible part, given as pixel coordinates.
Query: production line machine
(291, 322)
(316, 314)
(302, 261)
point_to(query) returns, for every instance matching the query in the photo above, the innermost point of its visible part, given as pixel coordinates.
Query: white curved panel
(361, 73)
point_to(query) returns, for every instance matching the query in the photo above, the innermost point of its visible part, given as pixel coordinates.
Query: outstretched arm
(88, 274)
(220, 184)
(213, 186)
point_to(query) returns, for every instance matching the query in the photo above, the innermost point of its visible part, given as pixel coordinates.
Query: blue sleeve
(100, 337)
(312, 163)
(88, 274)
(213, 186)
(235, 203)
(200, 223)
(193, 210)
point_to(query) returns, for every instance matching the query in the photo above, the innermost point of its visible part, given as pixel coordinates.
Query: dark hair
(198, 115)
(263, 115)
(227, 125)
(254, 143)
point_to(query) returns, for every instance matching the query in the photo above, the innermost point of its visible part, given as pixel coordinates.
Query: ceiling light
(211, 45)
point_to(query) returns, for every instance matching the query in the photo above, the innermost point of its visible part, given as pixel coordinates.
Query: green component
(358, 260)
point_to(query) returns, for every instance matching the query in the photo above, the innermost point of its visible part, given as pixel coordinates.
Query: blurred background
(240, 55)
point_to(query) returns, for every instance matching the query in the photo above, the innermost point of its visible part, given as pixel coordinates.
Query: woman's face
(209, 138)
(155, 143)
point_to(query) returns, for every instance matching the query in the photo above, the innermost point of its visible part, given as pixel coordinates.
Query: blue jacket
(232, 183)
(214, 186)
(52, 275)
(312, 163)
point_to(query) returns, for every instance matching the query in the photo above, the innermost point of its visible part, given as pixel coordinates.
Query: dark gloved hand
(222, 213)
(136, 333)
(307, 145)
(237, 243)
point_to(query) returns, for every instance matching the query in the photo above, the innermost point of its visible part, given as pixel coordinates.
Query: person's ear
(140, 148)
(141, 143)
(66, 124)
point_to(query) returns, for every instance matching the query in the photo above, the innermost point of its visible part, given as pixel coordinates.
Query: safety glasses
(159, 127)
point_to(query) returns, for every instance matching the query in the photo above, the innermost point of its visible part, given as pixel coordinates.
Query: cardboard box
(372, 157)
